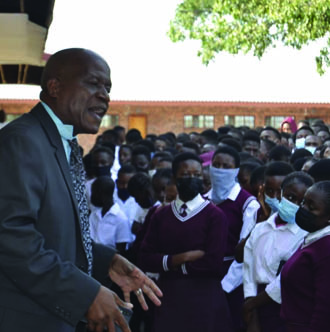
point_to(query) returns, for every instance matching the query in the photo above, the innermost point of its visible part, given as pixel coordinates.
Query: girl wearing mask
(185, 244)
(305, 276)
(270, 244)
(270, 192)
(240, 208)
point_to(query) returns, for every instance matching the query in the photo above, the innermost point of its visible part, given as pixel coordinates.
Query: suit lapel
(56, 141)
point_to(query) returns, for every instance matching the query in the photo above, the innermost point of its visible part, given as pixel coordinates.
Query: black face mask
(306, 220)
(101, 170)
(123, 194)
(189, 188)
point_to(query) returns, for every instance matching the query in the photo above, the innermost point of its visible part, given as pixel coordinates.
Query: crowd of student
(233, 224)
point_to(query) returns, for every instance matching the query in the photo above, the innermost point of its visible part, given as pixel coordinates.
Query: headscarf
(291, 122)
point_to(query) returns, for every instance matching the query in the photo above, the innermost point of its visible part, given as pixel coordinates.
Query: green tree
(253, 25)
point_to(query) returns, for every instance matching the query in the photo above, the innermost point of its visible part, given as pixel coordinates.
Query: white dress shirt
(111, 228)
(234, 276)
(264, 250)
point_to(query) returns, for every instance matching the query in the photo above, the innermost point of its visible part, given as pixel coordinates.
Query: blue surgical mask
(287, 211)
(311, 149)
(273, 203)
(300, 143)
(223, 180)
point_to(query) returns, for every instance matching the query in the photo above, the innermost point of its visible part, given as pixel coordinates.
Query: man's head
(75, 85)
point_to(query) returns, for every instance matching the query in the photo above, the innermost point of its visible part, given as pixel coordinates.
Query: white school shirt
(264, 250)
(111, 228)
(129, 207)
(234, 276)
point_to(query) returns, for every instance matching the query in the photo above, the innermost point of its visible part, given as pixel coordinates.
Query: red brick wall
(168, 116)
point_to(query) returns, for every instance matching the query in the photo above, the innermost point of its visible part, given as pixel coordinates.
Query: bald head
(75, 85)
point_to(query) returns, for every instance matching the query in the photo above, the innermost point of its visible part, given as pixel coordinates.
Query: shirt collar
(234, 192)
(312, 237)
(191, 205)
(293, 228)
(66, 131)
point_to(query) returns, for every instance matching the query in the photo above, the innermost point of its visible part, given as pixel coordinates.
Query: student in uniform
(185, 244)
(305, 276)
(269, 246)
(240, 208)
(108, 223)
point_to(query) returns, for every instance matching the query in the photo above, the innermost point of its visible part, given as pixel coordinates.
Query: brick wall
(168, 116)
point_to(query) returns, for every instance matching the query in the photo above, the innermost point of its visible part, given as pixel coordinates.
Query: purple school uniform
(193, 298)
(305, 288)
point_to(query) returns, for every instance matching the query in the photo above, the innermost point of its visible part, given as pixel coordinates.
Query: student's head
(308, 164)
(326, 152)
(314, 213)
(133, 136)
(300, 136)
(280, 153)
(323, 134)
(121, 134)
(161, 143)
(141, 158)
(251, 143)
(159, 181)
(244, 175)
(320, 170)
(171, 192)
(159, 156)
(190, 147)
(275, 173)
(226, 157)
(293, 187)
(312, 142)
(76, 84)
(102, 160)
(265, 146)
(124, 175)
(140, 187)
(233, 143)
(188, 175)
(223, 173)
(3, 116)
(257, 180)
(102, 191)
(111, 136)
(125, 154)
(270, 133)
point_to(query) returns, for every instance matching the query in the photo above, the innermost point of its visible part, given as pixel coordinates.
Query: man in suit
(50, 271)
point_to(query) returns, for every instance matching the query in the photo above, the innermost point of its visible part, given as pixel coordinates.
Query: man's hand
(104, 312)
(130, 278)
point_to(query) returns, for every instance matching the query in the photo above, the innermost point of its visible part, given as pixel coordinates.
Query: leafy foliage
(253, 25)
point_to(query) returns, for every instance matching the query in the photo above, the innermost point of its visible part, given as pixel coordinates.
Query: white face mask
(300, 143)
(311, 149)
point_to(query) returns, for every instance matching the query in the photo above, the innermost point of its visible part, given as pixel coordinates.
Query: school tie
(78, 178)
(183, 210)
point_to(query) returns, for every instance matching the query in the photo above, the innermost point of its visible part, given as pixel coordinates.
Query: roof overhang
(23, 33)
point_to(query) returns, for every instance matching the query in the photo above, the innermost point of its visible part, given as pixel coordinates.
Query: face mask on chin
(189, 188)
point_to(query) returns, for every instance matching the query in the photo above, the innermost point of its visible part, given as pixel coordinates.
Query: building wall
(169, 116)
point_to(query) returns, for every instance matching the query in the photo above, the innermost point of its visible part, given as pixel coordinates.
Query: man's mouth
(98, 111)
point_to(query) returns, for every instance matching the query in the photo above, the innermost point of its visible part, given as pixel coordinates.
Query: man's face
(83, 94)
(269, 134)
(251, 147)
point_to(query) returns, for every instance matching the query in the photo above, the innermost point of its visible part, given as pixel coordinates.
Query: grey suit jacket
(42, 261)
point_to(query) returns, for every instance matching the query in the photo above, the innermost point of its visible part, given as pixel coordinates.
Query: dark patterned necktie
(183, 210)
(78, 178)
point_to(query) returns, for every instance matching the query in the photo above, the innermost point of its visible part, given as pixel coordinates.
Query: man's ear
(53, 87)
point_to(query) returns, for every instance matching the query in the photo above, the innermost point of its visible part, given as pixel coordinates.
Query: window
(110, 121)
(198, 121)
(239, 120)
(274, 121)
